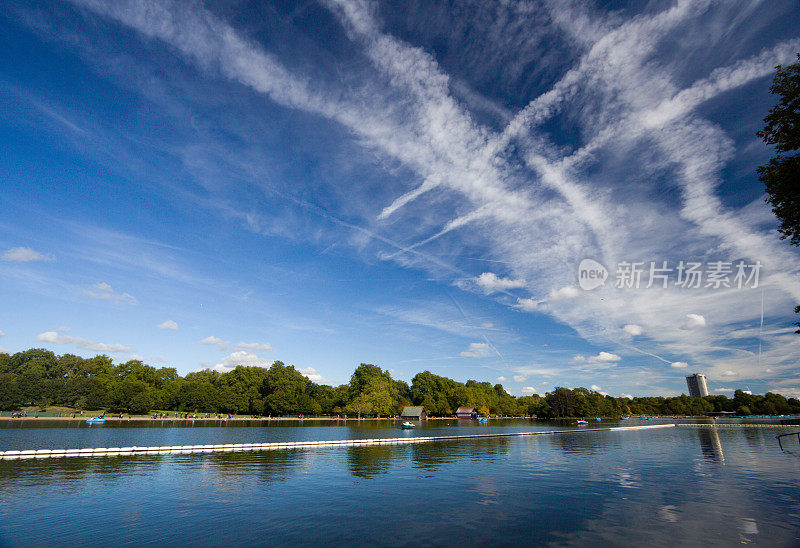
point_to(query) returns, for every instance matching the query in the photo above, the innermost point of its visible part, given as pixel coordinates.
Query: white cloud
(266, 347)
(104, 291)
(694, 321)
(595, 388)
(787, 391)
(679, 365)
(528, 305)
(520, 378)
(55, 338)
(633, 330)
(491, 283)
(216, 341)
(501, 379)
(730, 373)
(241, 357)
(312, 374)
(602, 357)
(567, 292)
(529, 390)
(534, 371)
(169, 324)
(619, 95)
(629, 396)
(476, 350)
(2, 334)
(724, 390)
(25, 255)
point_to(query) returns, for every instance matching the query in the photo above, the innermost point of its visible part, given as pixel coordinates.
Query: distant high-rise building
(697, 385)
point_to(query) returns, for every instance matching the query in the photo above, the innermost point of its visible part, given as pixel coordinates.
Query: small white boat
(407, 426)
(581, 421)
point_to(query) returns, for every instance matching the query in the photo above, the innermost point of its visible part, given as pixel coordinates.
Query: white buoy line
(230, 447)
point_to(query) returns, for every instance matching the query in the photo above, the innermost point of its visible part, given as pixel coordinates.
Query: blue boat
(407, 426)
(482, 421)
(96, 420)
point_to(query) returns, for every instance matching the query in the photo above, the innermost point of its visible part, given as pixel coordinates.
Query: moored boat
(581, 421)
(97, 420)
(407, 426)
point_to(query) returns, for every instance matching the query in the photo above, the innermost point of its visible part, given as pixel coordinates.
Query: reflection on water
(592, 488)
(369, 461)
(270, 466)
(711, 444)
(586, 442)
(434, 455)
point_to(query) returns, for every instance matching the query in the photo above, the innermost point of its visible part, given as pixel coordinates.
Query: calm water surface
(666, 487)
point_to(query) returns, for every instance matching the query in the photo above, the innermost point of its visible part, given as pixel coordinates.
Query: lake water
(680, 486)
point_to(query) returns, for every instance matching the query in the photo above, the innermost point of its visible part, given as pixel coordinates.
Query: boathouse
(417, 413)
(467, 413)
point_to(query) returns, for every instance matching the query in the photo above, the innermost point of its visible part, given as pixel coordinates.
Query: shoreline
(249, 419)
(140, 418)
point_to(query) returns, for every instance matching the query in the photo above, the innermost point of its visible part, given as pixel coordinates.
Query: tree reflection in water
(370, 461)
(434, 455)
(64, 472)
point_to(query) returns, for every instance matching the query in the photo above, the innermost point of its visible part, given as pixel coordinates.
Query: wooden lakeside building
(467, 413)
(414, 413)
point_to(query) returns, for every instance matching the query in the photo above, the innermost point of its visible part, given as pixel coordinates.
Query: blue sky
(412, 185)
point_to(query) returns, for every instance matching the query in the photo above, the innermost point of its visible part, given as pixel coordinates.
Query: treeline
(38, 377)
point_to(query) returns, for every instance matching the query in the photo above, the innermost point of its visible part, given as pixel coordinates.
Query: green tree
(125, 392)
(142, 402)
(283, 390)
(781, 176)
(379, 397)
(10, 394)
(534, 406)
(198, 392)
(240, 389)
